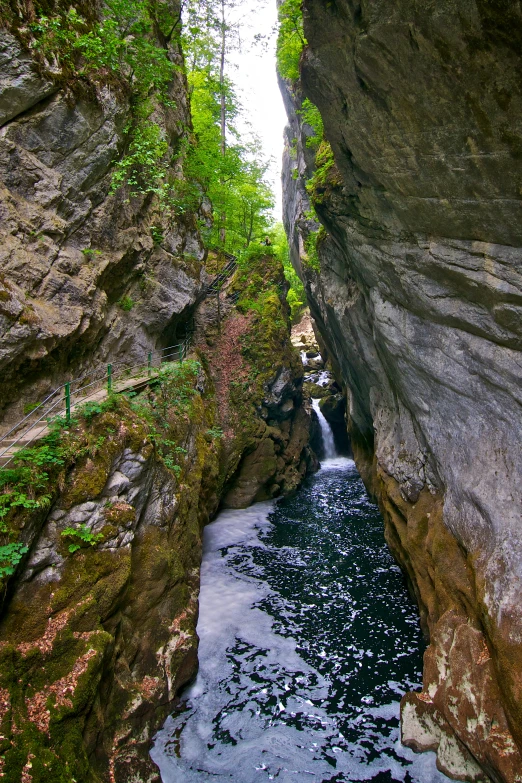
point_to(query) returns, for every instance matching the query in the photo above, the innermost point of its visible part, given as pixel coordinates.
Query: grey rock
(118, 484)
(420, 287)
(69, 250)
(20, 86)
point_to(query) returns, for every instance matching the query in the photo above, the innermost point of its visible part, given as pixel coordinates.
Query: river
(308, 640)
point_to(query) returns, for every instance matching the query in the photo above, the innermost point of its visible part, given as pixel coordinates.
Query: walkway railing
(215, 286)
(115, 378)
(63, 399)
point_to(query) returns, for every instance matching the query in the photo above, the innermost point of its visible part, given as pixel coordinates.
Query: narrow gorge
(196, 399)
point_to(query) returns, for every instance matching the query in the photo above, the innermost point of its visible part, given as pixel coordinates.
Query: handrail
(180, 349)
(26, 432)
(225, 273)
(30, 414)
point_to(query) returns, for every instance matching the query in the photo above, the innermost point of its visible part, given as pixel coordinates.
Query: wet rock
(279, 392)
(315, 364)
(255, 472)
(315, 390)
(333, 408)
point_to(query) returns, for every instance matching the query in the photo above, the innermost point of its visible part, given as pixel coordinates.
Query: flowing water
(308, 641)
(326, 432)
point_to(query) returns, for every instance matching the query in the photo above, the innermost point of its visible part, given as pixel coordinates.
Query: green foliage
(89, 410)
(325, 176)
(10, 556)
(312, 243)
(89, 252)
(169, 452)
(121, 45)
(291, 40)
(29, 483)
(30, 407)
(311, 116)
(225, 175)
(296, 296)
(174, 389)
(81, 535)
(126, 303)
(144, 168)
(215, 432)
(121, 49)
(156, 234)
(25, 487)
(22, 486)
(263, 284)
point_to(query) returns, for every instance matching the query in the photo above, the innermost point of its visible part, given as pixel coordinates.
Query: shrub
(126, 303)
(10, 556)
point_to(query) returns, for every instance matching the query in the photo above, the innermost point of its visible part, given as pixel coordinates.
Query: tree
(227, 173)
(291, 39)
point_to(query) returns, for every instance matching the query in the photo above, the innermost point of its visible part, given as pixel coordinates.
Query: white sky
(253, 69)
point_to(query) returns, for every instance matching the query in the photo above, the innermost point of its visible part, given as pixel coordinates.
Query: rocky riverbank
(98, 629)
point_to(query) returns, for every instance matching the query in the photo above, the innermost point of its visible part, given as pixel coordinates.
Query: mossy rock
(315, 391)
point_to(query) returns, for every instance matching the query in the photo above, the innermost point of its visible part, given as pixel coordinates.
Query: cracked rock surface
(419, 303)
(69, 250)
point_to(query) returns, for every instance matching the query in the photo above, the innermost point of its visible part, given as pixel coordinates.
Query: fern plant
(81, 535)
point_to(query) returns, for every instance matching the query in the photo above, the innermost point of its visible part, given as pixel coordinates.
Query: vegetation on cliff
(100, 521)
(111, 507)
(291, 39)
(127, 47)
(290, 46)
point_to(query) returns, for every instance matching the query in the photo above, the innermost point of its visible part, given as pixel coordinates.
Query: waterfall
(330, 452)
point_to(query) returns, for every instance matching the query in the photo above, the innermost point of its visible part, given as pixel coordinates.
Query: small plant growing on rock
(126, 303)
(90, 252)
(156, 234)
(81, 535)
(311, 116)
(30, 407)
(29, 316)
(10, 556)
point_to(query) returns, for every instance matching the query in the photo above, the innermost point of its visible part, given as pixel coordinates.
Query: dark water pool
(308, 640)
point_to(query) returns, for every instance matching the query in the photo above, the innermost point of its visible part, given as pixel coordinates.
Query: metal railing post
(68, 403)
(182, 350)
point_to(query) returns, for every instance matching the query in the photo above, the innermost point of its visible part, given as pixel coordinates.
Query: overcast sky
(255, 75)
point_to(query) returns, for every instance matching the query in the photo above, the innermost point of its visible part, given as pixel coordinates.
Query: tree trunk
(222, 229)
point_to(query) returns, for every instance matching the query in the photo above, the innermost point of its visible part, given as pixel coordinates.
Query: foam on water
(308, 640)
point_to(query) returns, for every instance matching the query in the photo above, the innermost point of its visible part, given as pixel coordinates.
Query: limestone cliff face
(70, 251)
(98, 612)
(419, 301)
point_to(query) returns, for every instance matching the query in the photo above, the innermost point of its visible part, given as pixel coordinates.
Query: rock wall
(70, 252)
(96, 641)
(419, 302)
(98, 608)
